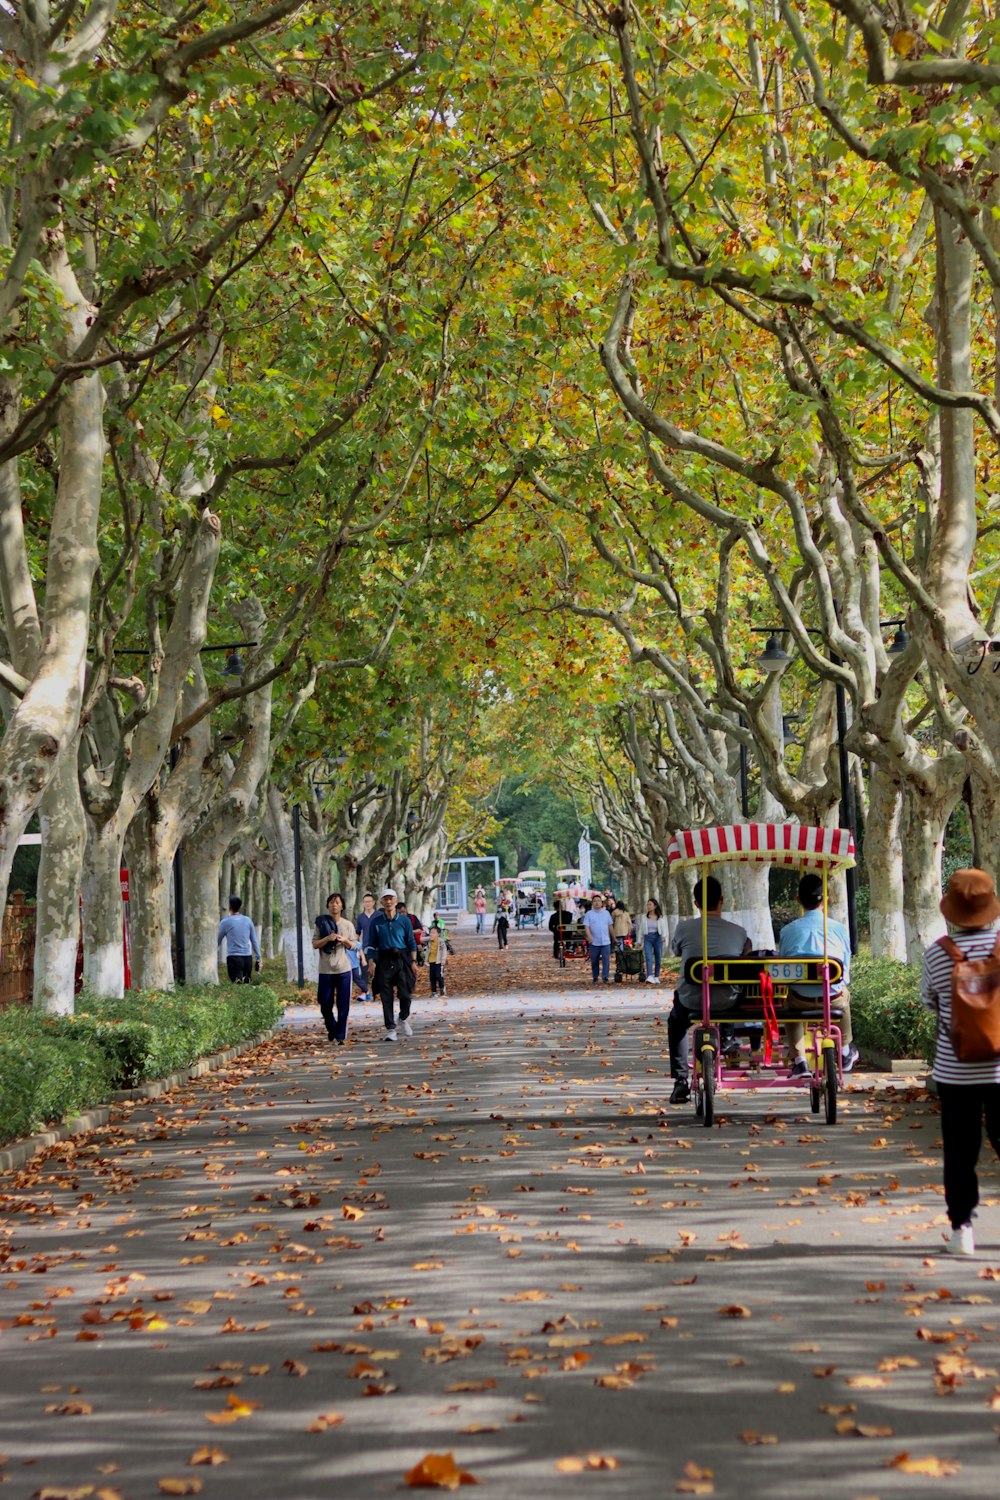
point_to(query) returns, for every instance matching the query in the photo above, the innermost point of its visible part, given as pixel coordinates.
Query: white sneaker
(390, 1034)
(961, 1242)
(650, 979)
(406, 1028)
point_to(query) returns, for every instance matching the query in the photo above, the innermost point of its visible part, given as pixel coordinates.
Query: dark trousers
(964, 1107)
(502, 925)
(335, 989)
(437, 978)
(679, 1023)
(600, 958)
(239, 967)
(393, 974)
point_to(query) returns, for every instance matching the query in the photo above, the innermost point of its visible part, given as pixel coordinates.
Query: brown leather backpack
(975, 1003)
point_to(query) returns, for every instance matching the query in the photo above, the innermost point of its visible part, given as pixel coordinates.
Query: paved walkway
(492, 1241)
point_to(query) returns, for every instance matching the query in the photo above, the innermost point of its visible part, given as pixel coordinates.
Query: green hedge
(51, 1067)
(886, 1011)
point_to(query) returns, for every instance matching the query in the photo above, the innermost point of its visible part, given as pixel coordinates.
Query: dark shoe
(849, 1057)
(800, 1069)
(682, 1091)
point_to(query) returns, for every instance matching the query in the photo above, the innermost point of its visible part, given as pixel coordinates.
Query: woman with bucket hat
(969, 1091)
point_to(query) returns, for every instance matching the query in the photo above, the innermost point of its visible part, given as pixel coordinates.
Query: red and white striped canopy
(763, 844)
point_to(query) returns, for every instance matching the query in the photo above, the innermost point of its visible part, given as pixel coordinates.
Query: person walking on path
(335, 937)
(361, 924)
(559, 921)
(503, 923)
(651, 932)
(969, 1091)
(621, 925)
(804, 938)
(725, 940)
(242, 947)
(438, 948)
(391, 950)
(598, 926)
(479, 906)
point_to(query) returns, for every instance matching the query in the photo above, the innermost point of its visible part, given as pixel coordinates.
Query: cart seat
(744, 975)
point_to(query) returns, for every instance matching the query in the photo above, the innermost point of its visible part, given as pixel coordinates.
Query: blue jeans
(652, 945)
(600, 958)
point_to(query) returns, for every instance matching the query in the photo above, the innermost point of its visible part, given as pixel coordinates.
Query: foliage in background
(51, 1067)
(886, 1010)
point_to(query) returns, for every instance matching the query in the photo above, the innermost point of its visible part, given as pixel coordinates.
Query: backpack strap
(954, 952)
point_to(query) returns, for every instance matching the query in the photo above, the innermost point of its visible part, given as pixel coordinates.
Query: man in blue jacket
(391, 951)
(242, 946)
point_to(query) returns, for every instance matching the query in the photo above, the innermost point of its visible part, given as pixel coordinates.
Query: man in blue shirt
(803, 938)
(242, 946)
(391, 951)
(598, 927)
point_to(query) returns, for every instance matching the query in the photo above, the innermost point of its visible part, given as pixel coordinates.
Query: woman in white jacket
(652, 931)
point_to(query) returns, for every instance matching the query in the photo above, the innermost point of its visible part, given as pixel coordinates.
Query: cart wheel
(562, 960)
(814, 1098)
(830, 1070)
(708, 1077)
(699, 1098)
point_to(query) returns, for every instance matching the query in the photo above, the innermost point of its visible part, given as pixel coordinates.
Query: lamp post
(774, 659)
(297, 861)
(744, 779)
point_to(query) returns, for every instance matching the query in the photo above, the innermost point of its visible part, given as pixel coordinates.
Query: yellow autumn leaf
(934, 1468)
(438, 1471)
(903, 42)
(208, 1455)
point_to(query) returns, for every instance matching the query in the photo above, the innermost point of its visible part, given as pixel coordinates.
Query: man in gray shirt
(725, 940)
(242, 946)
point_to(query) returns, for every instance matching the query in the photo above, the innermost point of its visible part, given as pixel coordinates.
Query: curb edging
(20, 1152)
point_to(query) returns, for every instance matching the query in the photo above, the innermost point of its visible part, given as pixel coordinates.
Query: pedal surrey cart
(764, 983)
(530, 898)
(569, 936)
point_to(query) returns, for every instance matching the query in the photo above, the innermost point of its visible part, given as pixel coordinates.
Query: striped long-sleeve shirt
(935, 992)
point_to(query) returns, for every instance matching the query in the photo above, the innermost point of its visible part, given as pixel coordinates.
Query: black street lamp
(774, 659)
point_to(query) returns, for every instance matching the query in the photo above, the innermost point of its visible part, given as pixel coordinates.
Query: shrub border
(15, 1156)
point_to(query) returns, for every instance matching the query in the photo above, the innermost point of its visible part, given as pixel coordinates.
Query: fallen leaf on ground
(734, 1310)
(696, 1481)
(49, 1493)
(934, 1468)
(181, 1486)
(758, 1439)
(208, 1455)
(849, 1428)
(589, 1461)
(438, 1471)
(325, 1420)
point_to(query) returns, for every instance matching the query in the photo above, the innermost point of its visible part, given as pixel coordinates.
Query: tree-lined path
(322, 1265)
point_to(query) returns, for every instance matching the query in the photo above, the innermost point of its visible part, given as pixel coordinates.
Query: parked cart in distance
(530, 898)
